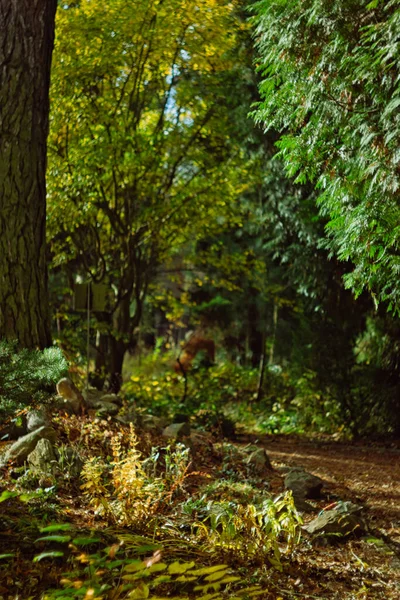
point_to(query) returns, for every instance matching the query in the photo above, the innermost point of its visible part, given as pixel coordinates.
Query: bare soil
(368, 474)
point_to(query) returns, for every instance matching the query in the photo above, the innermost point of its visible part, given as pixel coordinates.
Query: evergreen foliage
(27, 376)
(331, 85)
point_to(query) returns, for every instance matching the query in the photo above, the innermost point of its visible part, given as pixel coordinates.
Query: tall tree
(331, 85)
(26, 43)
(141, 162)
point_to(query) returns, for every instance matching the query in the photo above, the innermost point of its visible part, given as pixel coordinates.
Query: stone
(103, 404)
(152, 424)
(65, 405)
(303, 484)
(42, 460)
(129, 417)
(71, 395)
(143, 422)
(176, 431)
(19, 450)
(200, 443)
(35, 419)
(342, 520)
(259, 461)
(103, 408)
(92, 394)
(283, 469)
(114, 398)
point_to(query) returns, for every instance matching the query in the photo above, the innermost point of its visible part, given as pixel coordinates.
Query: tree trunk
(100, 370)
(261, 371)
(255, 336)
(273, 337)
(26, 43)
(118, 349)
(120, 340)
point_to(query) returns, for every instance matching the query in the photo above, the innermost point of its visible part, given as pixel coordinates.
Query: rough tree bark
(26, 44)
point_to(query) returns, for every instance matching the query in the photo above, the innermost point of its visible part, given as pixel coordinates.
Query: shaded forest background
(190, 204)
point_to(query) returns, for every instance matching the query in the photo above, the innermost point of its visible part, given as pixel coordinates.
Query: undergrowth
(288, 404)
(136, 567)
(128, 490)
(143, 492)
(150, 505)
(167, 531)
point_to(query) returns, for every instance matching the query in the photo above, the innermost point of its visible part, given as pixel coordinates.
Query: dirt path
(366, 568)
(367, 475)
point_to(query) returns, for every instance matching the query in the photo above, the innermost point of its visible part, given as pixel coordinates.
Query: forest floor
(367, 474)
(365, 567)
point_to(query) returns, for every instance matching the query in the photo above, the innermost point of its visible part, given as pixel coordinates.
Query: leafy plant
(256, 531)
(208, 390)
(131, 489)
(330, 83)
(123, 568)
(224, 490)
(27, 376)
(153, 172)
(318, 410)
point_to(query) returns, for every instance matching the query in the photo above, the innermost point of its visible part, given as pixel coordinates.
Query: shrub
(27, 376)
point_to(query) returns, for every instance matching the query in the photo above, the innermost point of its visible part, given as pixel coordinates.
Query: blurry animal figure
(196, 344)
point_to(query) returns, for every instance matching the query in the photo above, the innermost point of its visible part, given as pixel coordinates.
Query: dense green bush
(27, 376)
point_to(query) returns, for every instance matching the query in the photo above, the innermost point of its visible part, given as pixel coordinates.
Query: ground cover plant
(198, 517)
(165, 501)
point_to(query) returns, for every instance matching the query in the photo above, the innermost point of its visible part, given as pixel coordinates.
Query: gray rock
(112, 398)
(19, 451)
(176, 431)
(42, 460)
(149, 423)
(202, 436)
(259, 461)
(283, 469)
(73, 398)
(303, 484)
(65, 405)
(124, 420)
(93, 395)
(152, 424)
(103, 404)
(200, 443)
(35, 419)
(103, 408)
(343, 519)
(132, 416)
